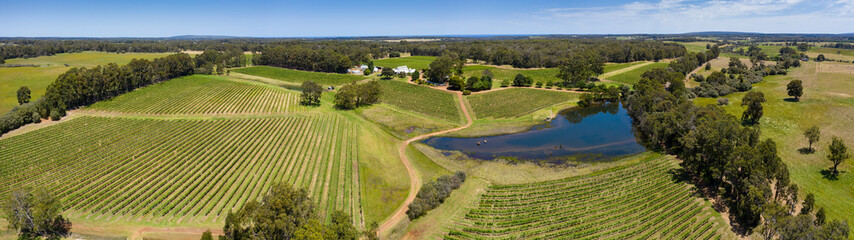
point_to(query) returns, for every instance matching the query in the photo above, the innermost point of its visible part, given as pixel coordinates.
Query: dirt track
(414, 180)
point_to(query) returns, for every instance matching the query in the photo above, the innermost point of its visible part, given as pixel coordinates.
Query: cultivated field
(202, 94)
(182, 171)
(831, 67)
(634, 75)
(420, 99)
(637, 201)
(416, 62)
(297, 76)
(515, 102)
(49, 67)
(543, 75)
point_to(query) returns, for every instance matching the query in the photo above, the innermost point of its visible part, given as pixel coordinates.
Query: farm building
(403, 69)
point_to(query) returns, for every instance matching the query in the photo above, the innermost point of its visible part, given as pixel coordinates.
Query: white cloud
(675, 16)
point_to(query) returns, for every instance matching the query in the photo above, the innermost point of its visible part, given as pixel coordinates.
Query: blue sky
(318, 18)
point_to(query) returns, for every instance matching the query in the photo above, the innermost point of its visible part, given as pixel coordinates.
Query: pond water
(582, 134)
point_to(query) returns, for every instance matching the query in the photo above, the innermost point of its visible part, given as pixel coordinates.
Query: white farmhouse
(403, 69)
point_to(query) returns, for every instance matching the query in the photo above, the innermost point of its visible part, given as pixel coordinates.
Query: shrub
(37, 118)
(723, 101)
(55, 115)
(466, 92)
(505, 83)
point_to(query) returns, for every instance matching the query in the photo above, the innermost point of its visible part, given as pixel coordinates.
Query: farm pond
(594, 133)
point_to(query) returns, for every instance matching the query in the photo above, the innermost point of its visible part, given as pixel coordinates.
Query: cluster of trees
(717, 151)
(302, 58)
(311, 93)
(781, 222)
(523, 81)
(434, 193)
(691, 61)
(215, 62)
(736, 78)
(35, 214)
(472, 84)
(354, 95)
(286, 213)
(839, 45)
(579, 70)
(444, 67)
(79, 87)
(602, 93)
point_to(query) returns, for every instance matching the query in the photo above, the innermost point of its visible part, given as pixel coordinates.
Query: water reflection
(577, 134)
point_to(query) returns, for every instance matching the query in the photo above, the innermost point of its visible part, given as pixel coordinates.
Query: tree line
(718, 153)
(434, 193)
(288, 213)
(80, 87)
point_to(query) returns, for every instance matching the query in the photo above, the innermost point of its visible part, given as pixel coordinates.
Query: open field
(543, 75)
(634, 75)
(832, 53)
(38, 78)
(515, 102)
(828, 102)
(155, 170)
(203, 94)
(416, 62)
(297, 76)
(696, 46)
(430, 102)
(634, 201)
(401, 123)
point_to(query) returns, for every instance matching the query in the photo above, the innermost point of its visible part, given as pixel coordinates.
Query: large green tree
(35, 214)
(795, 89)
(23, 95)
(311, 93)
(441, 68)
(576, 70)
(838, 153)
(753, 100)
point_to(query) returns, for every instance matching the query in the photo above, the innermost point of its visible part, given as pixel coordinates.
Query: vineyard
(174, 171)
(200, 94)
(297, 76)
(633, 76)
(636, 201)
(515, 102)
(427, 101)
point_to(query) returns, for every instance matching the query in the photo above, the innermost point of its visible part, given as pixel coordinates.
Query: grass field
(297, 76)
(828, 103)
(38, 78)
(423, 100)
(636, 201)
(416, 62)
(155, 170)
(515, 102)
(832, 53)
(203, 94)
(633, 76)
(696, 46)
(401, 123)
(539, 75)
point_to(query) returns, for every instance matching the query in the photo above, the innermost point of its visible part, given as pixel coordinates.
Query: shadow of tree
(829, 175)
(806, 150)
(791, 100)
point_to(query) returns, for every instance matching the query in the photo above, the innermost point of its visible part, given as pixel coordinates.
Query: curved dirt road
(414, 180)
